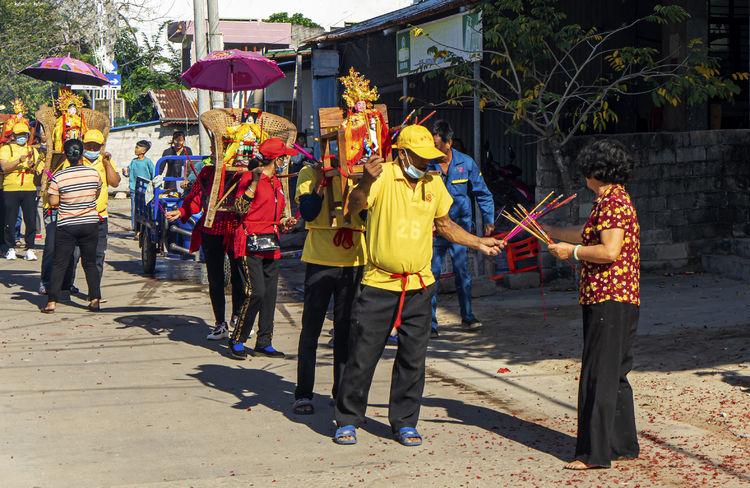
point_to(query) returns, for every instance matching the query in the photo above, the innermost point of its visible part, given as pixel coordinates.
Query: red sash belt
(404, 280)
(344, 237)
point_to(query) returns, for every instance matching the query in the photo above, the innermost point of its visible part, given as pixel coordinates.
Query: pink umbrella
(66, 70)
(232, 70)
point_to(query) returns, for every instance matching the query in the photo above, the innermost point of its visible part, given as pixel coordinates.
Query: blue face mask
(91, 155)
(411, 171)
(21, 141)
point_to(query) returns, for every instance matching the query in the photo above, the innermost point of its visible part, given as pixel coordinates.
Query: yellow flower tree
(557, 79)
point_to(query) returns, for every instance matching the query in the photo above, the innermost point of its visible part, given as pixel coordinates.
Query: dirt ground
(135, 396)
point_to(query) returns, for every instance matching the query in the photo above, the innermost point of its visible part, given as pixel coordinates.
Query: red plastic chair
(518, 252)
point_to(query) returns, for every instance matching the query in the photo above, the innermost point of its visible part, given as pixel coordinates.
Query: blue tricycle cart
(157, 235)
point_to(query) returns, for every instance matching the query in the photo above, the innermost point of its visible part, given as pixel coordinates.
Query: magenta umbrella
(66, 70)
(232, 70)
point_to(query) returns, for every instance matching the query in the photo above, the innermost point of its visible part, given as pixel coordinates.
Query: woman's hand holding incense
(561, 250)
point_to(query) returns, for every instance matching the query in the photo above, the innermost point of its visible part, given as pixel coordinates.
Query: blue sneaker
(237, 350)
(269, 351)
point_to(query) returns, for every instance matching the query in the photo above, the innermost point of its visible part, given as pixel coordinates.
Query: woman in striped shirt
(74, 191)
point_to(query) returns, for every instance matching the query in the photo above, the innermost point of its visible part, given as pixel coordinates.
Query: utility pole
(215, 43)
(199, 35)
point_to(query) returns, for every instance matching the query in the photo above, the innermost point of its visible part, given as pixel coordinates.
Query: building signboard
(461, 34)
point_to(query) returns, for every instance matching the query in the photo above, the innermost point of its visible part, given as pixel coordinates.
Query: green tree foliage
(31, 30)
(145, 65)
(296, 19)
(556, 79)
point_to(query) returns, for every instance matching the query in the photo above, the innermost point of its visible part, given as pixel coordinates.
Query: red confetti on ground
(503, 370)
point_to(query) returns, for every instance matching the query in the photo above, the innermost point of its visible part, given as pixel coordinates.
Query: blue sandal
(345, 431)
(404, 435)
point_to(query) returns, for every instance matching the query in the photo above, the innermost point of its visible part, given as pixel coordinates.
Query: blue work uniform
(464, 181)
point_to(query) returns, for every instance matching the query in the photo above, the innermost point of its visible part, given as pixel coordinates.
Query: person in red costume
(213, 240)
(255, 247)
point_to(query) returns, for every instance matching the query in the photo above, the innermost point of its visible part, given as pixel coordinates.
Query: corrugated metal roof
(239, 32)
(398, 17)
(176, 105)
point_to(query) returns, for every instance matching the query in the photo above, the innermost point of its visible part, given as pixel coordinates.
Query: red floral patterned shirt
(618, 281)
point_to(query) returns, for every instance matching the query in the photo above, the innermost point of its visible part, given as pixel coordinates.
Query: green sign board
(461, 34)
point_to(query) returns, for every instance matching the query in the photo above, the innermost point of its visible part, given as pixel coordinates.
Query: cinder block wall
(691, 191)
(121, 144)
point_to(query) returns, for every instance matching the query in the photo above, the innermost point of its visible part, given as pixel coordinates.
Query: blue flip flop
(405, 433)
(345, 431)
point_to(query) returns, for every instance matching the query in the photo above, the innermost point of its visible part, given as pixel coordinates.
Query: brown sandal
(94, 305)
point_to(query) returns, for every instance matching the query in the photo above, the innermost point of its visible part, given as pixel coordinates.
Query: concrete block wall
(121, 144)
(691, 191)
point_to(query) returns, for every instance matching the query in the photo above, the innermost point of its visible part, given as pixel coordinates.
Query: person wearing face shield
(93, 156)
(20, 163)
(404, 202)
(255, 248)
(73, 191)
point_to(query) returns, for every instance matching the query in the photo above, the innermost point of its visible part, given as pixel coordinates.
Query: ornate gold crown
(357, 88)
(19, 107)
(67, 98)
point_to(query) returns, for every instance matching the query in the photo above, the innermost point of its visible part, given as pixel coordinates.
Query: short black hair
(178, 133)
(144, 143)
(443, 129)
(606, 160)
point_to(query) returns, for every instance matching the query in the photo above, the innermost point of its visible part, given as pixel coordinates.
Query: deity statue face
(72, 110)
(360, 106)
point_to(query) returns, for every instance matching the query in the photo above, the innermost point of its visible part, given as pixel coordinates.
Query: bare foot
(49, 308)
(579, 466)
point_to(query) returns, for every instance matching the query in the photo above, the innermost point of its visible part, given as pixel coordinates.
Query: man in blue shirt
(464, 181)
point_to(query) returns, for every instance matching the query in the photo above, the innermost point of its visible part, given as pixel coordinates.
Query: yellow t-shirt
(399, 228)
(319, 245)
(21, 178)
(103, 201)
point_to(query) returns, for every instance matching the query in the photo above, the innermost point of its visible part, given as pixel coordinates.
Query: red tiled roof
(176, 106)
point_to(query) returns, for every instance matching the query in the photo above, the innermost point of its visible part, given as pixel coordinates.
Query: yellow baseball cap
(420, 141)
(21, 128)
(93, 135)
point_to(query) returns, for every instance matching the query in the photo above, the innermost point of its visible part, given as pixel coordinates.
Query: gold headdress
(18, 106)
(357, 88)
(68, 98)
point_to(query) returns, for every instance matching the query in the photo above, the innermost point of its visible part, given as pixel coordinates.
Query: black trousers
(86, 237)
(260, 279)
(213, 248)
(48, 257)
(2, 220)
(374, 312)
(26, 201)
(606, 415)
(322, 283)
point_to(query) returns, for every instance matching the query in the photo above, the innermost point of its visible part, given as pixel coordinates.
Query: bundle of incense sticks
(527, 221)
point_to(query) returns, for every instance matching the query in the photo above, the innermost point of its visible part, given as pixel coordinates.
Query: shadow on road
(263, 386)
(180, 328)
(534, 436)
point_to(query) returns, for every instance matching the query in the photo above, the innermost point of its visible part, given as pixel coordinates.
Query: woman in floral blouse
(608, 247)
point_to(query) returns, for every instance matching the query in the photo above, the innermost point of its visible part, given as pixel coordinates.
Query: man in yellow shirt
(20, 163)
(93, 141)
(404, 203)
(335, 256)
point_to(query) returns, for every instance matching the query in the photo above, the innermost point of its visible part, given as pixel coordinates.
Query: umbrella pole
(231, 84)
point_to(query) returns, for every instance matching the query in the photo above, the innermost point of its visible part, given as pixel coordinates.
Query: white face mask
(411, 171)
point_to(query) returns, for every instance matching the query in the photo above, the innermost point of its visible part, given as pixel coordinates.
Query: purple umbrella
(66, 70)
(232, 70)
